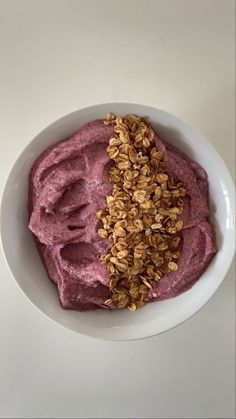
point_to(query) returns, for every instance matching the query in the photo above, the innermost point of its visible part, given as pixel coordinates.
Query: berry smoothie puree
(68, 184)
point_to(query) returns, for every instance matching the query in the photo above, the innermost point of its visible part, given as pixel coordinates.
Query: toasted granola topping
(141, 218)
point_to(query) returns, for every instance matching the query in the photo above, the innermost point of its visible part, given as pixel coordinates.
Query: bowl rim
(228, 180)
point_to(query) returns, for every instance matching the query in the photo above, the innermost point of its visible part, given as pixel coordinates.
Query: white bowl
(25, 264)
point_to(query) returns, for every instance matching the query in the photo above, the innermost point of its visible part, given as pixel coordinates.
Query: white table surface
(57, 56)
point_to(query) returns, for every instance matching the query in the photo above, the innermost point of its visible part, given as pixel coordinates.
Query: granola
(141, 217)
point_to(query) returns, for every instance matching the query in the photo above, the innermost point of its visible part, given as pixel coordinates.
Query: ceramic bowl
(26, 266)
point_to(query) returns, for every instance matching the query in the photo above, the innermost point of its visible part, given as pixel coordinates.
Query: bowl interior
(25, 264)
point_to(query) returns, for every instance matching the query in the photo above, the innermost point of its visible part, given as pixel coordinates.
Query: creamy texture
(68, 184)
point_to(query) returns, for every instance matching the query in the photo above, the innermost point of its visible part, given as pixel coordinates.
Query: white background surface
(57, 56)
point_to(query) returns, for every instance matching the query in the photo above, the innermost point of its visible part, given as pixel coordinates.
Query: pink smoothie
(69, 183)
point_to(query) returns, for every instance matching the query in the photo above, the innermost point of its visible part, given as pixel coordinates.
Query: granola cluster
(141, 217)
